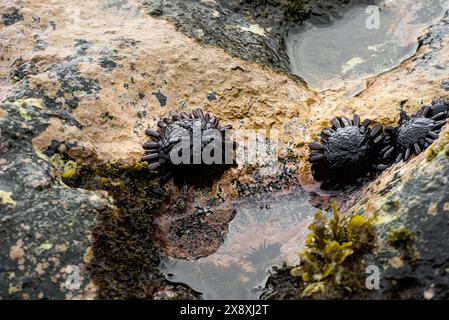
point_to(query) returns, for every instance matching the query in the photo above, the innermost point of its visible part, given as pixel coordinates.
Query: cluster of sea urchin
(415, 133)
(191, 148)
(350, 149)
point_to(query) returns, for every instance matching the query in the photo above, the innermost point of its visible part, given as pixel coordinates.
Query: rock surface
(251, 30)
(78, 87)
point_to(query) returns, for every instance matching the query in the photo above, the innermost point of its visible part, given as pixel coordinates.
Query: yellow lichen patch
(46, 246)
(396, 262)
(441, 146)
(23, 113)
(12, 289)
(22, 105)
(310, 101)
(115, 212)
(6, 199)
(446, 206)
(69, 169)
(66, 168)
(433, 209)
(385, 218)
(431, 154)
(32, 102)
(137, 166)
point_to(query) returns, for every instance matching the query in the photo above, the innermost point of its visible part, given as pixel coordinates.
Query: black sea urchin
(416, 133)
(190, 147)
(438, 106)
(347, 152)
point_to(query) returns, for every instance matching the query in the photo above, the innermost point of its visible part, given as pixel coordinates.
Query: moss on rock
(125, 253)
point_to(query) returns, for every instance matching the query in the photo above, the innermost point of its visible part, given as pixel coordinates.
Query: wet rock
(250, 30)
(45, 225)
(411, 206)
(10, 16)
(161, 98)
(445, 85)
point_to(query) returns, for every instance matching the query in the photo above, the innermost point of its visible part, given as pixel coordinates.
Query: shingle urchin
(178, 147)
(416, 133)
(348, 151)
(438, 106)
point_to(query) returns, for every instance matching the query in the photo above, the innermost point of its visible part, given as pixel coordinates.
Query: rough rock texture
(78, 87)
(45, 226)
(413, 209)
(252, 30)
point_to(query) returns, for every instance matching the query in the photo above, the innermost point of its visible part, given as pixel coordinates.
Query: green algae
(332, 262)
(443, 149)
(67, 168)
(6, 199)
(401, 237)
(403, 240)
(125, 251)
(131, 185)
(431, 154)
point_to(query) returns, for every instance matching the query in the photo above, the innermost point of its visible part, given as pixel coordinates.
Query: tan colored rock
(16, 252)
(3, 113)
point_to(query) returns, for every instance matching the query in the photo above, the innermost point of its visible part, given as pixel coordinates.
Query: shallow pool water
(365, 41)
(264, 233)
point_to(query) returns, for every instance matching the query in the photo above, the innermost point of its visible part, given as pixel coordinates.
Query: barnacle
(191, 148)
(415, 133)
(347, 151)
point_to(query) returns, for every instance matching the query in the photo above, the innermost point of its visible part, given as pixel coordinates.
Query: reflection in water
(328, 56)
(262, 256)
(265, 232)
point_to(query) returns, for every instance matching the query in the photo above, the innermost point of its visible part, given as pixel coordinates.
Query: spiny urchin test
(415, 133)
(192, 148)
(350, 149)
(347, 151)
